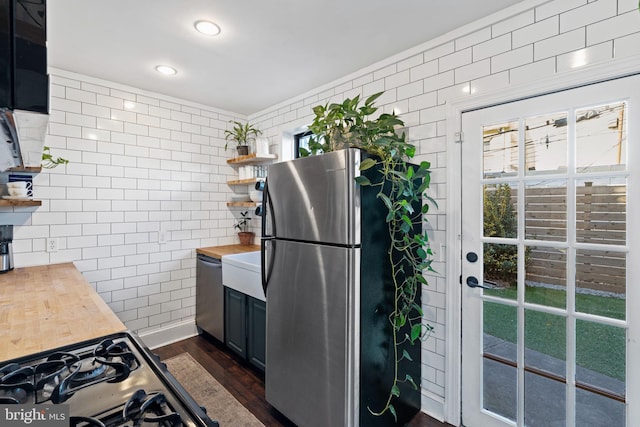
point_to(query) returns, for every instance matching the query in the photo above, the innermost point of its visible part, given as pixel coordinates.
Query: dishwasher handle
(211, 262)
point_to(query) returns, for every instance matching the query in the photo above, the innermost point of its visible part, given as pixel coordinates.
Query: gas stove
(112, 381)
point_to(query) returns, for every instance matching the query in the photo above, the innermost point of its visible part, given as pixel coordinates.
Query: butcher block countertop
(219, 251)
(49, 306)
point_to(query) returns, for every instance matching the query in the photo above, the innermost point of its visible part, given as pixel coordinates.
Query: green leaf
(416, 307)
(386, 201)
(367, 164)
(303, 152)
(415, 332)
(370, 100)
(406, 355)
(395, 391)
(319, 110)
(410, 151)
(410, 172)
(363, 180)
(393, 412)
(410, 379)
(389, 216)
(421, 253)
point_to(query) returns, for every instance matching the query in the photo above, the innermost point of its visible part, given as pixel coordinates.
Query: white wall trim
(169, 334)
(453, 362)
(119, 86)
(587, 75)
(430, 44)
(432, 405)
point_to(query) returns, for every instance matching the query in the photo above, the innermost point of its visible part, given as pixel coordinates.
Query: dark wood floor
(244, 382)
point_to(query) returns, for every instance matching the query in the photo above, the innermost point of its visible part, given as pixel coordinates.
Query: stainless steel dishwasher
(210, 296)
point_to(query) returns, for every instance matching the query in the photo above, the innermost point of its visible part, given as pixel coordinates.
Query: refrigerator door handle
(266, 272)
(267, 212)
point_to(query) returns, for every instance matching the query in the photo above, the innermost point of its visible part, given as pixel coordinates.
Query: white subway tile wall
(138, 165)
(547, 40)
(142, 165)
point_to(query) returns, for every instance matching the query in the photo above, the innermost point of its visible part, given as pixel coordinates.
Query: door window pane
(500, 210)
(500, 388)
(595, 410)
(601, 138)
(601, 283)
(600, 356)
(546, 276)
(500, 150)
(545, 342)
(500, 330)
(546, 211)
(546, 144)
(544, 401)
(601, 206)
(500, 275)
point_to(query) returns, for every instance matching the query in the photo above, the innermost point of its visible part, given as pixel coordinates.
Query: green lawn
(600, 348)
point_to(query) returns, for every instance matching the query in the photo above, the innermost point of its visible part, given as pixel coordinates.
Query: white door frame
(579, 77)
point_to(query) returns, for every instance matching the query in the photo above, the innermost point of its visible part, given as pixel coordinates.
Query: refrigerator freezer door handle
(267, 212)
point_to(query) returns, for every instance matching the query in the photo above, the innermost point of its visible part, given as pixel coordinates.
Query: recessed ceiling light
(207, 28)
(166, 70)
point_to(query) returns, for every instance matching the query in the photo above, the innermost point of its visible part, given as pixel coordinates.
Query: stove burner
(62, 374)
(101, 380)
(88, 370)
(112, 363)
(141, 409)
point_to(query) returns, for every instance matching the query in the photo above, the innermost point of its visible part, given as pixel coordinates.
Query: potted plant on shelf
(242, 225)
(401, 186)
(242, 134)
(50, 162)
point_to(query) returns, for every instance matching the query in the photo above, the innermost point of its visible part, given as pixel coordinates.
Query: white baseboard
(169, 334)
(432, 405)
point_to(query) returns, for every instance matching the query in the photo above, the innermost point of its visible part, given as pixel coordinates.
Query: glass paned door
(548, 186)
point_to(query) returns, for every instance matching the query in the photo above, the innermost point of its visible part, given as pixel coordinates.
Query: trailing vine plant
(401, 187)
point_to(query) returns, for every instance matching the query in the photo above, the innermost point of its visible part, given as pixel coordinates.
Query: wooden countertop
(45, 307)
(219, 251)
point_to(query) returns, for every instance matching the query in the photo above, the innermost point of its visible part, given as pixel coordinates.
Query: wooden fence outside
(600, 218)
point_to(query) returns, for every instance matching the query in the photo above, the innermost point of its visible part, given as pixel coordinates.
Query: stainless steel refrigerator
(329, 354)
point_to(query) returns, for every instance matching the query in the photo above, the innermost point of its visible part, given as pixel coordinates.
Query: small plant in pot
(242, 225)
(242, 133)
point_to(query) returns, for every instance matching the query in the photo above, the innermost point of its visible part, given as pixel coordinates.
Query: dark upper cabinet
(23, 55)
(6, 54)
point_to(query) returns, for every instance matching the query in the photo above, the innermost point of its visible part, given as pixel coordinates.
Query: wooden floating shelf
(18, 203)
(242, 204)
(243, 181)
(251, 158)
(35, 169)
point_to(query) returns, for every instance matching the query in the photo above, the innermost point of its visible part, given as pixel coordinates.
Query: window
(301, 140)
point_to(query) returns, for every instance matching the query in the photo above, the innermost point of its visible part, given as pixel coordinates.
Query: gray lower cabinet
(245, 326)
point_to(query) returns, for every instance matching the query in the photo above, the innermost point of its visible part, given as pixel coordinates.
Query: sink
(242, 273)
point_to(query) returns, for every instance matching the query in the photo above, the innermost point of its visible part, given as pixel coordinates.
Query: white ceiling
(268, 51)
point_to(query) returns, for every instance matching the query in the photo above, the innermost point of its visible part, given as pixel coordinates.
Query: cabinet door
(5, 53)
(30, 79)
(235, 321)
(257, 332)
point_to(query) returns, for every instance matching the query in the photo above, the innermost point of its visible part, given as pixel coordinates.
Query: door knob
(472, 282)
(472, 256)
